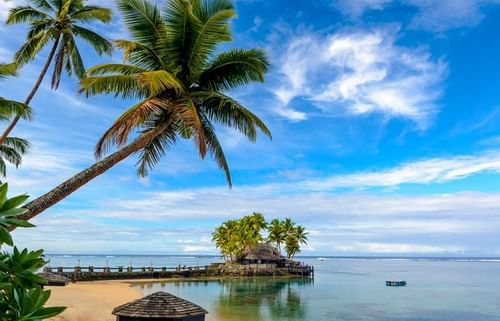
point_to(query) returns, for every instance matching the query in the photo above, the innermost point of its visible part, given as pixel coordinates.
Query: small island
(249, 246)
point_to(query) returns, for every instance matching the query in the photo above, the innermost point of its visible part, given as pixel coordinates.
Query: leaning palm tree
(57, 22)
(181, 83)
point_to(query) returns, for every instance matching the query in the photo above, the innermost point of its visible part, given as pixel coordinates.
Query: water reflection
(258, 299)
(249, 299)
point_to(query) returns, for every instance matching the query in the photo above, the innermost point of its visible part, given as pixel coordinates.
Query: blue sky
(386, 140)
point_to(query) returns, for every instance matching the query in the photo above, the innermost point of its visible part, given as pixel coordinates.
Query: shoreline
(91, 301)
(95, 300)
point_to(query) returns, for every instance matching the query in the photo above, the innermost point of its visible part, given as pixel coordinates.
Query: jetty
(93, 273)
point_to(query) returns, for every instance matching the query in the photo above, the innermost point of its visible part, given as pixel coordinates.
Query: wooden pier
(92, 273)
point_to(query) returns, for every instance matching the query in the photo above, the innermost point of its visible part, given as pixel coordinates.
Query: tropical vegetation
(235, 237)
(172, 67)
(22, 297)
(59, 23)
(12, 148)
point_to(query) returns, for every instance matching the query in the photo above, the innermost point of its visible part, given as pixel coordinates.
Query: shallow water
(343, 289)
(354, 289)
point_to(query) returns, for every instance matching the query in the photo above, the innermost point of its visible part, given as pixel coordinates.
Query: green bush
(21, 295)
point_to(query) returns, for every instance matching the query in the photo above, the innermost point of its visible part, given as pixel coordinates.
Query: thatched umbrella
(160, 306)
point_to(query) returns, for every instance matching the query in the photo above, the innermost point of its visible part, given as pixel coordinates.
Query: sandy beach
(91, 301)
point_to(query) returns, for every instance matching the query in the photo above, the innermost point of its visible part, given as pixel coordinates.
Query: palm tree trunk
(32, 92)
(51, 198)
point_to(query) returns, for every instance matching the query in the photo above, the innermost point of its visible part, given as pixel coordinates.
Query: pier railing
(94, 273)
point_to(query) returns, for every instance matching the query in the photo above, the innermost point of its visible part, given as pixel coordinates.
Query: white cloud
(6, 5)
(356, 8)
(359, 73)
(437, 15)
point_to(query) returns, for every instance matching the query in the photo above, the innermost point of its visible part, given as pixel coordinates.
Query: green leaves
(233, 237)
(9, 209)
(170, 68)
(57, 21)
(28, 305)
(234, 68)
(21, 295)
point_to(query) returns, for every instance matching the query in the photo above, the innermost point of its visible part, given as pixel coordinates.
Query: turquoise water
(346, 289)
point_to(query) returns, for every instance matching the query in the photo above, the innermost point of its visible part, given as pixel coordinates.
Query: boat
(395, 283)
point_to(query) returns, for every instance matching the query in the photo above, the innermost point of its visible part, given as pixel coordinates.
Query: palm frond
(117, 135)
(160, 81)
(92, 13)
(214, 29)
(181, 26)
(7, 70)
(32, 47)
(234, 68)
(25, 14)
(42, 5)
(150, 155)
(10, 155)
(40, 26)
(77, 67)
(143, 20)
(204, 9)
(126, 86)
(100, 44)
(20, 145)
(215, 149)
(185, 111)
(227, 111)
(139, 54)
(10, 108)
(122, 69)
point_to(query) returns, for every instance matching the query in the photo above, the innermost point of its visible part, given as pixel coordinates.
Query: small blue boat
(395, 283)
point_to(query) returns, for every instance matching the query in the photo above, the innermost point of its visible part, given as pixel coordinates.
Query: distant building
(262, 254)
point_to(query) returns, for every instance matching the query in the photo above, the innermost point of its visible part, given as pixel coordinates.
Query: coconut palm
(181, 83)
(301, 234)
(12, 149)
(58, 22)
(276, 233)
(250, 229)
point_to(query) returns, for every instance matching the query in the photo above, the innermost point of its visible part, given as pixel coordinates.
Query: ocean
(343, 289)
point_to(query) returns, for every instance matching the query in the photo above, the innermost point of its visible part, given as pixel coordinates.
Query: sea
(343, 289)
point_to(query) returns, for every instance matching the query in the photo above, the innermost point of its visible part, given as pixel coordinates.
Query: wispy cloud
(358, 73)
(436, 16)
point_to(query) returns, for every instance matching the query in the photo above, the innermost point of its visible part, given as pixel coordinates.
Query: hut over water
(262, 253)
(160, 306)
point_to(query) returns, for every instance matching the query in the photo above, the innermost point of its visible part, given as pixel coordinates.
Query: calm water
(343, 289)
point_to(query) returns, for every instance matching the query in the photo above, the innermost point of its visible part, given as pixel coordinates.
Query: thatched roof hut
(54, 279)
(262, 253)
(160, 306)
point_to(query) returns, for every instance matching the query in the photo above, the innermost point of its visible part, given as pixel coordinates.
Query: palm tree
(250, 229)
(296, 237)
(276, 233)
(57, 22)
(12, 149)
(181, 84)
(228, 239)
